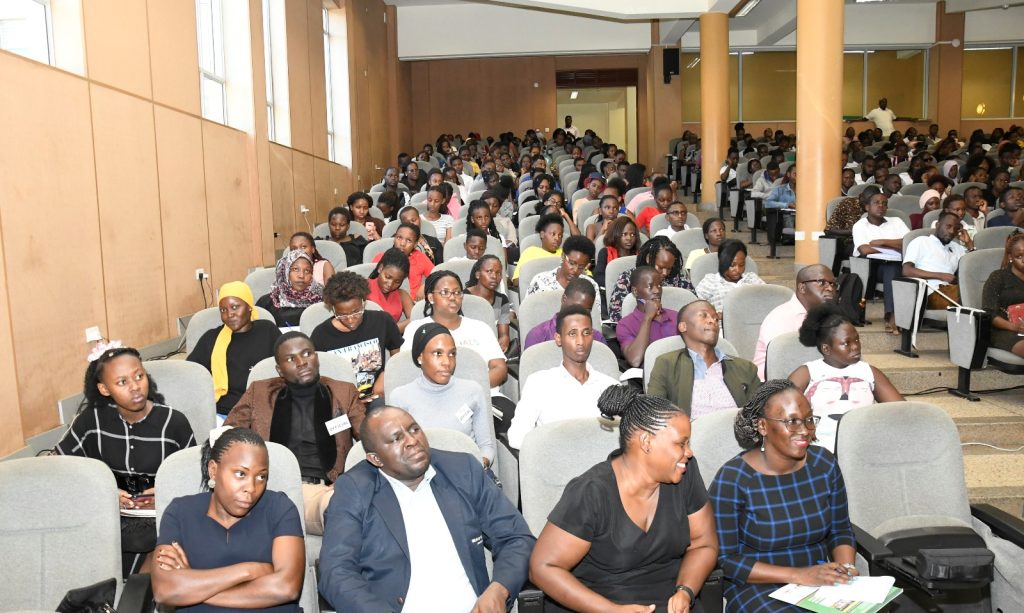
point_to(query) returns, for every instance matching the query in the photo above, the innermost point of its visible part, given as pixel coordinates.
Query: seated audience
(388, 203)
(783, 196)
(580, 292)
(663, 196)
(322, 269)
(930, 201)
(507, 229)
(439, 399)
(620, 240)
(294, 289)
(607, 213)
(648, 322)
(714, 234)
(385, 284)
(660, 253)
(437, 200)
(766, 183)
(485, 280)
(957, 205)
(701, 378)
(1003, 298)
(359, 203)
(229, 351)
(428, 245)
(840, 380)
(338, 222)
(840, 224)
(479, 216)
(443, 291)
(594, 183)
(406, 238)
(577, 254)
(1011, 201)
(293, 410)
(977, 208)
(124, 423)
(676, 216)
(414, 179)
(251, 555)
(567, 391)
(550, 230)
(391, 537)
(847, 181)
(635, 530)
(936, 258)
(363, 336)
(815, 285)
(757, 495)
(732, 264)
(881, 237)
(475, 244)
(998, 183)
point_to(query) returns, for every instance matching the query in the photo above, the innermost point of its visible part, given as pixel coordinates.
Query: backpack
(849, 294)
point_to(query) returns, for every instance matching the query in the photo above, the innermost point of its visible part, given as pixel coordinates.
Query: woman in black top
(339, 221)
(123, 423)
(230, 351)
(635, 530)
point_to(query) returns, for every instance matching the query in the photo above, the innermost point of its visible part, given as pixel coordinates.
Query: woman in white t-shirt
(436, 200)
(840, 380)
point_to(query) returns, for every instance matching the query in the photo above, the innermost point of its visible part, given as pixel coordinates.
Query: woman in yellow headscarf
(230, 351)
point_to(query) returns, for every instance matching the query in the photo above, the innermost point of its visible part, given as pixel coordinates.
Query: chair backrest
(333, 253)
(960, 188)
(908, 204)
(744, 309)
(260, 282)
(51, 545)
(674, 343)
(456, 248)
(708, 264)
(417, 198)
(473, 307)
(332, 365)
(613, 270)
(542, 306)
(903, 467)
(857, 189)
(831, 206)
(914, 189)
(533, 240)
(674, 298)
(713, 441)
(570, 179)
(188, 388)
(660, 221)
(209, 318)
(993, 238)
(528, 270)
(373, 248)
(929, 217)
(437, 438)
(688, 240)
(576, 195)
(645, 204)
(975, 268)
(528, 226)
(585, 209)
(323, 230)
(554, 454)
(314, 315)
(543, 356)
(923, 231)
(904, 216)
(392, 226)
(785, 354)
(461, 267)
(632, 193)
(996, 212)
(469, 365)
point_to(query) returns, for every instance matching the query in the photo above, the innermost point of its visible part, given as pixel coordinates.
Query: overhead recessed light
(574, 95)
(749, 6)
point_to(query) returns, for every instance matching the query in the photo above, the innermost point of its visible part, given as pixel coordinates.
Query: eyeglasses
(793, 424)
(822, 283)
(445, 292)
(350, 316)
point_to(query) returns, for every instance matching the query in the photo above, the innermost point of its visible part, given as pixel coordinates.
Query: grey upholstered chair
(439, 438)
(708, 264)
(714, 442)
(744, 309)
(675, 343)
(473, 307)
(261, 281)
(674, 298)
(188, 388)
(542, 306)
(209, 318)
(331, 365)
(785, 354)
(543, 356)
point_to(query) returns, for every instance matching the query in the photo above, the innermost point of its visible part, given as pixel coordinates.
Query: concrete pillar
(819, 129)
(714, 101)
(946, 68)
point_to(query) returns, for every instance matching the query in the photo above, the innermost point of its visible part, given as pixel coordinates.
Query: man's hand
(492, 600)
(651, 309)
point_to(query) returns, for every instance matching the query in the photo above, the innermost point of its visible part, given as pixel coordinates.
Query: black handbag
(95, 598)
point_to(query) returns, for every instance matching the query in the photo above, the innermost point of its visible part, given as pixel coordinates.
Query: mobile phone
(142, 498)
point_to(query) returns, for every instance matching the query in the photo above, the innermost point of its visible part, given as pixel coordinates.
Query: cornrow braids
(224, 441)
(745, 426)
(637, 412)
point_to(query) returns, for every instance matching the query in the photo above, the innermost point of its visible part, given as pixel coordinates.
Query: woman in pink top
(386, 286)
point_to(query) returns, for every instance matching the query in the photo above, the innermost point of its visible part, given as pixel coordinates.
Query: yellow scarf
(219, 357)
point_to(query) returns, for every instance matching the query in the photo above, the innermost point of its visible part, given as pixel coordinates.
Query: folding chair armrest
(1003, 525)
(137, 594)
(827, 247)
(530, 599)
(905, 293)
(968, 339)
(869, 547)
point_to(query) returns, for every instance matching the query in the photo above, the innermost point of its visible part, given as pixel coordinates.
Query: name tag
(464, 414)
(338, 424)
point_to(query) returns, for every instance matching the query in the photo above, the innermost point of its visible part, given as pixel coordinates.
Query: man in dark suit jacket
(409, 525)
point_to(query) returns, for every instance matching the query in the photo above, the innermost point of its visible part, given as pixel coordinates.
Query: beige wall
(113, 189)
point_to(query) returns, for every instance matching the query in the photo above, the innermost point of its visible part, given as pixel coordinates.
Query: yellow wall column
(946, 68)
(714, 100)
(819, 96)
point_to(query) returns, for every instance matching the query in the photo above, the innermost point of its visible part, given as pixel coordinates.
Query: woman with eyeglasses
(363, 336)
(780, 506)
(840, 380)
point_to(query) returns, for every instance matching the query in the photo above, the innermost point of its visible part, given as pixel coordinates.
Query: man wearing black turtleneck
(316, 417)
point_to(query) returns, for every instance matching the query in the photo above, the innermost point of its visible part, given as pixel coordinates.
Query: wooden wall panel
(324, 197)
(174, 54)
(11, 437)
(228, 203)
(298, 74)
(317, 79)
(341, 185)
(305, 193)
(282, 189)
(116, 44)
(186, 238)
(51, 237)
(129, 205)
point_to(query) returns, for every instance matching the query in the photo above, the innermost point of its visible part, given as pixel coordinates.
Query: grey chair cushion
(208, 319)
(469, 365)
(543, 356)
(785, 354)
(744, 309)
(188, 388)
(542, 306)
(332, 365)
(714, 442)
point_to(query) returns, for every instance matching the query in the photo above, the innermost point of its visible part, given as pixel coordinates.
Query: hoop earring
(212, 483)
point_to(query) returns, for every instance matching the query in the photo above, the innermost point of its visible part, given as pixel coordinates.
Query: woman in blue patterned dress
(780, 506)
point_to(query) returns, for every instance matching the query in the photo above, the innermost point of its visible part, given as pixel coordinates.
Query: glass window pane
(734, 88)
(204, 16)
(769, 86)
(899, 77)
(690, 81)
(853, 85)
(1018, 109)
(986, 83)
(23, 29)
(213, 99)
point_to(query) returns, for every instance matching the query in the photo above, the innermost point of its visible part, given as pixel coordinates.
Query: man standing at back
(569, 128)
(883, 117)
(815, 284)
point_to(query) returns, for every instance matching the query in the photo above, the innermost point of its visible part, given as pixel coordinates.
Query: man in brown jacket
(316, 417)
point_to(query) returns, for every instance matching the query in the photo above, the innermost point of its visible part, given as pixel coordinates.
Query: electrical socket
(200, 274)
(93, 334)
(303, 209)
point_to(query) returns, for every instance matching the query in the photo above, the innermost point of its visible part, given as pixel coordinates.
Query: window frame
(328, 83)
(217, 44)
(51, 55)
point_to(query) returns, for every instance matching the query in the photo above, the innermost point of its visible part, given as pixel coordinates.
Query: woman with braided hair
(780, 506)
(636, 531)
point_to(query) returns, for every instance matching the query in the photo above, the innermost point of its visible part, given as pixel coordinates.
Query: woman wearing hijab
(231, 350)
(294, 289)
(930, 200)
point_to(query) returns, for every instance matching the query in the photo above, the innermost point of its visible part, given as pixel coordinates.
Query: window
(988, 83)
(26, 29)
(327, 81)
(853, 85)
(339, 128)
(689, 63)
(898, 76)
(769, 86)
(212, 73)
(268, 67)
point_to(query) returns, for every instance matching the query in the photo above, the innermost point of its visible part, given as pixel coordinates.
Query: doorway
(608, 111)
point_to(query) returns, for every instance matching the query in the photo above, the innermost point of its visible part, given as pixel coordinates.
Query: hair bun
(616, 400)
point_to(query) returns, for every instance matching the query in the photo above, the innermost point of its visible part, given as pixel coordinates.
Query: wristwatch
(689, 592)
